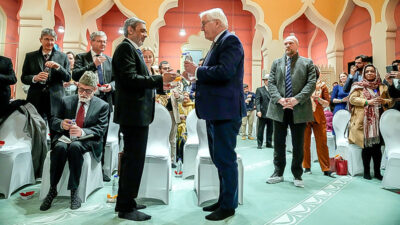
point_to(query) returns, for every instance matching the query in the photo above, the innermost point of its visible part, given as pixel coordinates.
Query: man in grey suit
(95, 60)
(291, 83)
(262, 101)
(91, 115)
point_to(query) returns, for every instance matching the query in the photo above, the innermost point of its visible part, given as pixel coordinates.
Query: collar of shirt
(43, 53)
(266, 87)
(219, 35)
(94, 53)
(134, 44)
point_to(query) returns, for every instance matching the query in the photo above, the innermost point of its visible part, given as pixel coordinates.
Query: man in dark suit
(291, 84)
(355, 72)
(95, 60)
(91, 115)
(7, 78)
(134, 111)
(220, 101)
(262, 102)
(45, 71)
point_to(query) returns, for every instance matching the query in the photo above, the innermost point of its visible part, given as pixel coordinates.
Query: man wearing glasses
(84, 119)
(99, 63)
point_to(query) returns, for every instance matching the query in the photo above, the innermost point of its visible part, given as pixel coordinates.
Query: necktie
(100, 73)
(46, 58)
(140, 53)
(80, 116)
(288, 79)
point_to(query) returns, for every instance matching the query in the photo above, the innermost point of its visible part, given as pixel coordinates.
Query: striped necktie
(288, 79)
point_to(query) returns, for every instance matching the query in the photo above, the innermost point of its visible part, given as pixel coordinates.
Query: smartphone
(391, 68)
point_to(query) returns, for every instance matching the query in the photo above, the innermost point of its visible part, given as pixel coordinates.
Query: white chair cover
(390, 130)
(350, 152)
(206, 180)
(330, 143)
(156, 178)
(91, 178)
(191, 146)
(111, 149)
(16, 167)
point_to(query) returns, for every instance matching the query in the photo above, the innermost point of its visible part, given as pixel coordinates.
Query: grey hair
(216, 14)
(48, 31)
(131, 22)
(292, 37)
(93, 35)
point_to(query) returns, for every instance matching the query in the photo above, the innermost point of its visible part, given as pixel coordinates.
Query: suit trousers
(375, 153)
(222, 143)
(104, 98)
(172, 136)
(280, 133)
(132, 164)
(260, 131)
(249, 119)
(58, 157)
(319, 130)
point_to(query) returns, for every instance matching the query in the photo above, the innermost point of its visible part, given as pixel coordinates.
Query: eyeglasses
(204, 23)
(87, 91)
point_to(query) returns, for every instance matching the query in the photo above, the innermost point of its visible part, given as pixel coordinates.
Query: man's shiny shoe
(251, 138)
(106, 178)
(259, 147)
(220, 214)
(211, 208)
(135, 215)
(243, 138)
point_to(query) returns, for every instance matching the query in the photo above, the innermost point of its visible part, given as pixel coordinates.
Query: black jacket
(262, 101)
(134, 87)
(7, 78)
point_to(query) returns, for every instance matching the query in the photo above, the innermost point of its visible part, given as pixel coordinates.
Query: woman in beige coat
(368, 99)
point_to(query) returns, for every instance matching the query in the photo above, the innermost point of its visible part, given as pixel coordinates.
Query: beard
(85, 99)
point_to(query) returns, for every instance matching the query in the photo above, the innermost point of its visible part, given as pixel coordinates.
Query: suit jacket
(96, 122)
(33, 64)
(219, 85)
(7, 78)
(134, 87)
(350, 81)
(262, 101)
(303, 85)
(84, 62)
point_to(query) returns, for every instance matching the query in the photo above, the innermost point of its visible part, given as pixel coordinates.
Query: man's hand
(282, 101)
(353, 70)
(190, 67)
(99, 60)
(169, 77)
(42, 76)
(259, 114)
(107, 88)
(52, 64)
(66, 124)
(66, 84)
(291, 103)
(185, 75)
(76, 131)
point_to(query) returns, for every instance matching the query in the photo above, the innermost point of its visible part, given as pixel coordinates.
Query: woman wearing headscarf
(368, 99)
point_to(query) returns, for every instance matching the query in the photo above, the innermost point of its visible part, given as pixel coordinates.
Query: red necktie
(80, 117)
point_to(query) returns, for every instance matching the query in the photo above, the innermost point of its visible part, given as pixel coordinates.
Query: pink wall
(397, 19)
(171, 42)
(11, 8)
(356, 37)
(110, 24)
(304, 30)
(59, 21)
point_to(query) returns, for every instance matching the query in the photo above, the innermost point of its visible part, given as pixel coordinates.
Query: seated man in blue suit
(91, 114)
(220, 101)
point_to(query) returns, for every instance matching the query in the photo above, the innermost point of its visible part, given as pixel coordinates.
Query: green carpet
(344, 200)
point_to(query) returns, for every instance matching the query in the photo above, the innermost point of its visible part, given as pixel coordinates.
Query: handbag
(332, 165)
(341, 166)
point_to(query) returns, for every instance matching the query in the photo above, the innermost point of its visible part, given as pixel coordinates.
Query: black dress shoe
(220, 214)
(259, 147)
(75, 200)
(378, 176)
(135, 215)
(173, 165)
(367, 176)
(269, 146)
(106, 178)
(138, 206)
(329, 174)
(46, 204)
(211, 208)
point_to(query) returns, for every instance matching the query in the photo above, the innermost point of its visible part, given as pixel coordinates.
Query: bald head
(291, 45)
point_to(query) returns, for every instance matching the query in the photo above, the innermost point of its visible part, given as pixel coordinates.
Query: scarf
(371, 112)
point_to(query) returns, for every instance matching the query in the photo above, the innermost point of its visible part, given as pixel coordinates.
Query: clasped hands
(42, 76)
(288, 103)
(376, 101)
(74, 130)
